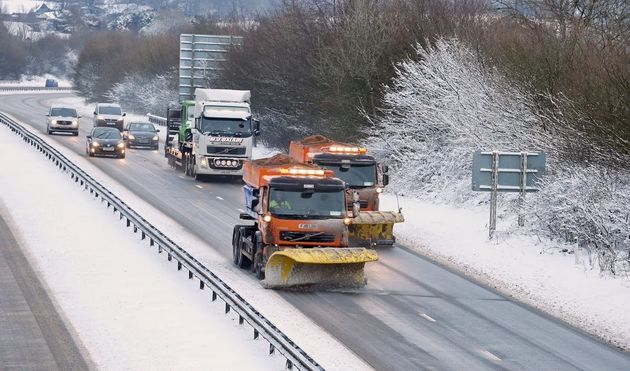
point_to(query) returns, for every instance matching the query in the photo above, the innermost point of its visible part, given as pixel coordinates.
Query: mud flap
(372, 228)
(326, 267)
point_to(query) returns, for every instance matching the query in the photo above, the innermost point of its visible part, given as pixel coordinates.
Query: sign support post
(523, 191)
(493, 194)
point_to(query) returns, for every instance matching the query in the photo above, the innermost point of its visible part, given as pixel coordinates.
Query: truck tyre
(186, 164)
(239, 259)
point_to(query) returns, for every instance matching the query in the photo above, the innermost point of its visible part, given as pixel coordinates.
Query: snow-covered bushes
(589, 206)
(142, 94)
(450, 102)
(442, 108)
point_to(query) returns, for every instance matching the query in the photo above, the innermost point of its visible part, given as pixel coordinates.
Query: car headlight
(155, 137)
(96, 144)
(100, 118)
(130, 136)
(54, 122)
(120, 119)
(121, 145)
(75, 122)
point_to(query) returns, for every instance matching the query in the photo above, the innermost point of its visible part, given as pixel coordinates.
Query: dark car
(51, 83)
(142, 134)
(105, 142)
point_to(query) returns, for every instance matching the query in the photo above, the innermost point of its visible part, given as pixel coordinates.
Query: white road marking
(181, 176)
(240, 210)
(427, 317)
(219, 197)
(489, 355)
(198, 186)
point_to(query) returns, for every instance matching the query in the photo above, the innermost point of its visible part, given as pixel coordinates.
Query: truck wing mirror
(245, 216)
(95, 113)
(385, 179)
(124, 114)
(385, 168)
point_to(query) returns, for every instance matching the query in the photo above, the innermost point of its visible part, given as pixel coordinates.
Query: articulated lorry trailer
(213, 134)
(300, 231)
(365, 179)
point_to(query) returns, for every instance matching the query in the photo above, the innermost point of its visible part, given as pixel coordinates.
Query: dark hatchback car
(105, 142)
(142, 134)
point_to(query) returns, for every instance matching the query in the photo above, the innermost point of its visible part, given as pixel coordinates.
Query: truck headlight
(379, 190)
(267, 218)
(204, 162)
(75, 122)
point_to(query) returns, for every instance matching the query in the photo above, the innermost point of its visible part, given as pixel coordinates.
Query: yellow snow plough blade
(327, 267)
(372, 228)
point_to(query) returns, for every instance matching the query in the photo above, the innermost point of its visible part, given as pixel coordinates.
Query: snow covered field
(35, 81)
(19, 6)
(519, 266)
(117, 324)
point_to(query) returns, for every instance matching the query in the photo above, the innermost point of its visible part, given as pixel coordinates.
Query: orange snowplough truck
(364, 179)
(300, 234)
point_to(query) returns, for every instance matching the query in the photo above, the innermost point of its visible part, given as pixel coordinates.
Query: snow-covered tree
(449, 102)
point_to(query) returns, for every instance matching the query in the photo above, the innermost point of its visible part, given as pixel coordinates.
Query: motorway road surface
(32, 334)
(412, 315)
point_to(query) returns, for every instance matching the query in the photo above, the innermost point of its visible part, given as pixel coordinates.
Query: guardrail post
(227, 308)
(179, 266)
(272, 349)
(201, 285)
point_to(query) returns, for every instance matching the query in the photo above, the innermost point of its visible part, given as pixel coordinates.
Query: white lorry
(215, 133)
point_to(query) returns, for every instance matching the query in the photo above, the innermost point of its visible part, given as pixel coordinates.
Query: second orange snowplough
(364, 179)
(300, 234)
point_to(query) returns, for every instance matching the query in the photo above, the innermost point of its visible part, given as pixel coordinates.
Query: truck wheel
(237, 253)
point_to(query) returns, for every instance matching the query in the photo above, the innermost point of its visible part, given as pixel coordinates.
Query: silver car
(109, 115)
(62, 119)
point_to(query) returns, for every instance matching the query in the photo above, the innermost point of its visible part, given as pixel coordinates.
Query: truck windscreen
(354, 175)
(222, 126)
(306, 205)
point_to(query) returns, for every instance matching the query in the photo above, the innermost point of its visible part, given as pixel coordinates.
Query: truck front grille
(307, 237)
(213, 150)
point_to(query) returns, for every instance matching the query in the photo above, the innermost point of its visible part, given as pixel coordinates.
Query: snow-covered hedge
(145, 94)
(449, 102)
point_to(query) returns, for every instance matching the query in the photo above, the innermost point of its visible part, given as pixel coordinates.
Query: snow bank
(35, 81)
(527, 268)
(327, 350)
(130, 309)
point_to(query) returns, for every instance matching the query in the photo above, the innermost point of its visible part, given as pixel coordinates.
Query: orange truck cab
(297, 207)
(361, 172)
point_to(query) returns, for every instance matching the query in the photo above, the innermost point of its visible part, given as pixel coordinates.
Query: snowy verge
(35, 81)
(325, 349)
(527, 269)
(129, 309)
